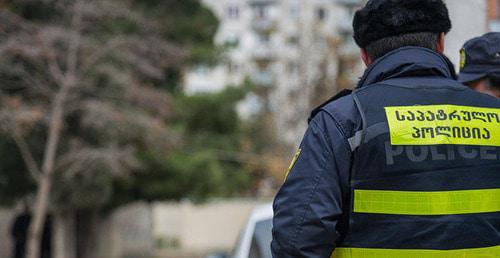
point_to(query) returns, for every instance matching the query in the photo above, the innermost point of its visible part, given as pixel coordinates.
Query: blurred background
(163, 128)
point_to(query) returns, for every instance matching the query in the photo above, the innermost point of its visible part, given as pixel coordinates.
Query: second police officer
(480, 64)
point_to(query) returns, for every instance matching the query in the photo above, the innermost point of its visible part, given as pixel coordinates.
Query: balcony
(263, 52)
(264, 15)
(263, 25)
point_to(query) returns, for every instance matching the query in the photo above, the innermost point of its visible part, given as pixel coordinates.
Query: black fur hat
(387, 18)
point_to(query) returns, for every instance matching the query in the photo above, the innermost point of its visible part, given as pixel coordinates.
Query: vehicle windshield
(261, 240)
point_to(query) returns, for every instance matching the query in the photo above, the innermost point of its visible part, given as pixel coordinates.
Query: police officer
(480, 64)
(405, 165)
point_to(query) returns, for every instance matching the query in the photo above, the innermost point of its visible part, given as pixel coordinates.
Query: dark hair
(383, 46)
(494, 82)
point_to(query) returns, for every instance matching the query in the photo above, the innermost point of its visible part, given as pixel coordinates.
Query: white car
(255, 239)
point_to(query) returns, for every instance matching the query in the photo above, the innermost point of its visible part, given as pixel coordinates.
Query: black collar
(408, 62)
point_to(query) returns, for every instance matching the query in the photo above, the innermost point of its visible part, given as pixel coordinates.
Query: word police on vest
(438, 152)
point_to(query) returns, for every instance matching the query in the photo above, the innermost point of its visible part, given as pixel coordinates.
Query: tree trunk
(45, 183)
(54, 135)
(39, 216)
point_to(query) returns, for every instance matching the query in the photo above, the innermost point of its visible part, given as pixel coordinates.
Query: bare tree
(55, 69)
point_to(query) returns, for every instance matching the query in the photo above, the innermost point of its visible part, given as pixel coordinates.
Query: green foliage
(203, 164)
(187, 26)
(202, 167)
(183, 21)
(197, 176)
(186, 22)
(14, 180)
(83, 191)
(34, 11)
(211, 113)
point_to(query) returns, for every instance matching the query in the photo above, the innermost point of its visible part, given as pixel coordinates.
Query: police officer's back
(406, 165)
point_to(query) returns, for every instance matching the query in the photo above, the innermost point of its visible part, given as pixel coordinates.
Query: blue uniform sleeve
(308, 206)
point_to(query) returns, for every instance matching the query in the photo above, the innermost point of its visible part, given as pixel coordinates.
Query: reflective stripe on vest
(485, 252)
(427, 203)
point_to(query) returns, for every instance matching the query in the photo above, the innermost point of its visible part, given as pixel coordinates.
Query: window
(321, 14)
(294, 12)
(261, 11)
(233, 12)
(293, 68)
(264, 38)
(232, 41)
(201, 70)
(232, 67)
(321, 42)
(293, 40)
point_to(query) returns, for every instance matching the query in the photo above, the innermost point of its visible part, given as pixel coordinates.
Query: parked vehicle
(255, 239)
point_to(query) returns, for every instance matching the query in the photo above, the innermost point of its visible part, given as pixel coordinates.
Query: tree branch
(54, 68)
(102, 52)
(27, 156)
(31, 80)
(74, 42)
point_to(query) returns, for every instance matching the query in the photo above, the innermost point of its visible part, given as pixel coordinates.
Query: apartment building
(287, 48)
(298, 52)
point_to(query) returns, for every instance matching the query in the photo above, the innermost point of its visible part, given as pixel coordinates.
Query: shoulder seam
(326, 151)
(316, 181)
(338, 125)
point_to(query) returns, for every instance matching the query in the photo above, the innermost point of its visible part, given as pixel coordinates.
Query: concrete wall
(6, 220)
(132, 231)
(212, 226)
(469, 20)
(126, 233)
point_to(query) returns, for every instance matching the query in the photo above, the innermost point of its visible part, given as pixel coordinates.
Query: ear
(366, 58)
(440, 43)
(480, 85)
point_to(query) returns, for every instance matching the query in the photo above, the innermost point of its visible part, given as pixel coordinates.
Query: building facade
(298, 53)
(289, 49)
(464, 28)
(494, 15)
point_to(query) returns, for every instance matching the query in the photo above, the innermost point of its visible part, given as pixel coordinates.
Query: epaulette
(339, 95)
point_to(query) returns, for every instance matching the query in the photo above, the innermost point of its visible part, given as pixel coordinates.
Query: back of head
(385, 25)
(480, 58)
